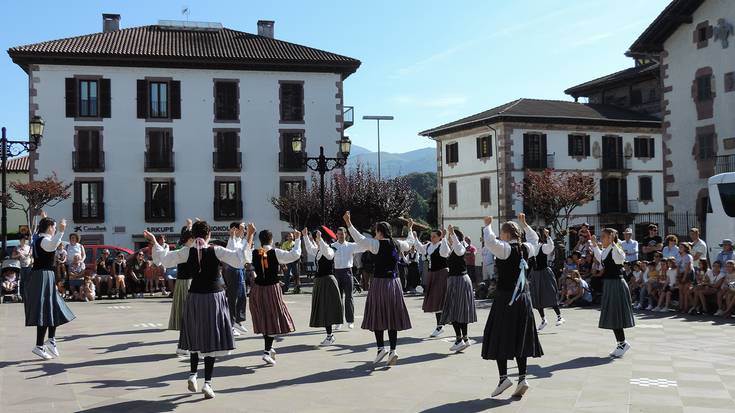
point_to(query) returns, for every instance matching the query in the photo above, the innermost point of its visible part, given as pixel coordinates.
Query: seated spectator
(136, 281)
(578, 291)
(88, 289)
(627, 271)
(571, 263)
(670, 286)
(701, 282)
(150, 277)
(76, 276)
(643, 298)
(60, 261)
(727, 297)
(118, 273)
(685, 266)
(635, 281)
(654, 284)
(727, 253)
(170, 276)
(710, 286)
(102, 275)
(671, 249)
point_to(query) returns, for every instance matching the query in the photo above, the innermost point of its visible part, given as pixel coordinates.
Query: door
(612, 153)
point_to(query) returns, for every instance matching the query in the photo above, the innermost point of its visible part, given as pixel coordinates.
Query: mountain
(395, 164)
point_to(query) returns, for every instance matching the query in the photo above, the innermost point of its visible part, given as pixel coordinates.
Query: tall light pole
(378, 118)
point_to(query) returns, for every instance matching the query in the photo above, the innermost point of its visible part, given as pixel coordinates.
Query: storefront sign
(89, 228)
(158, 230)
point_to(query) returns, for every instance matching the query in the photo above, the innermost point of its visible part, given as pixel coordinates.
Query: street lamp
(11, 149)
(322, 164)
(378, 118)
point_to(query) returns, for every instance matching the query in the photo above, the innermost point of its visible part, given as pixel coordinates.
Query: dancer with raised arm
(206, 329)
(326, 302)
(435, 280)
(544, 291)
(510, 331)
(44, 307)
(616, 311)
(459, 304)
(181, 288)
(384, 307)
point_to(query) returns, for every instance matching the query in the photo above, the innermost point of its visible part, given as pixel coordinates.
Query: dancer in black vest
(206, 329)
(44, 307)
(269, 313)
(510, 331)
(384, 307)
(542, 282)
(459, 304)
(326, 301)
(616, 312)
(435, 280)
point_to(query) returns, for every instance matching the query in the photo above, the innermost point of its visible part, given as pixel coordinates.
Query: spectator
(726, 254)
(488, 263)
(577, 291)
(685, 267)
(136, 275)
(76, 276)
(88, 290)
(413, 278)
(727, 299)
(670, 285)
(74, 247)
(23, 254)
(711, 285)
(60, 258)
(292, 270)
(630, 246)
(652, 243)
(672, 247)
(469, 259)
(583, 236)
(701, 281)
(699, 247)
(643, 298)
(635, 282)
(102, 273)
(654, 284)
(118, 272)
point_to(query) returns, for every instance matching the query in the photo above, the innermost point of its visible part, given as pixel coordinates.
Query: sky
(425, 62)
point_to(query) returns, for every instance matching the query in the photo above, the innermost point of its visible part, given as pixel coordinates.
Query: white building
(620, 148)
(694, 43)
(156, 124)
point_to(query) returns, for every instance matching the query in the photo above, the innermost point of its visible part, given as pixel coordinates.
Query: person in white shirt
(326, 302)
(699, 247)
(630, 246)
(344, 252)
(488, 263)
(435, 280)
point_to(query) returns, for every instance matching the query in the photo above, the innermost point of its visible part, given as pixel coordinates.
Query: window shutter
(479, 142)
(217, 212)
(652, 148)
(238, 187)
(489, 145)
(484, 190)
(71, 97)
(624, 195)
(447, 154)
(105, 102)
(455, 152)
(587, 145)
(603, 194)
(142, 96)
(542, 150)
(175, 97)
(637, 147)
(171, 201)
(570, 145)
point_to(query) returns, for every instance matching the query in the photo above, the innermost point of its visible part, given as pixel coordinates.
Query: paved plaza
(118, 357)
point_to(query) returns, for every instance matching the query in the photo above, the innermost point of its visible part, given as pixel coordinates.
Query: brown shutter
(172, 201)
(71, 97)
(587, 145)
(652, 148)
(105, 103)
(570, 145)
(175, 99)
(238, 189)
(637, 147)
(447, 154)
(142, 95)
(216, 200)
(480, 153)
(77, 200)
(542, 151)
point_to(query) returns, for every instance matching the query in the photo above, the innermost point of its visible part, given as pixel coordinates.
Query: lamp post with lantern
(10, 149)
(321, 163)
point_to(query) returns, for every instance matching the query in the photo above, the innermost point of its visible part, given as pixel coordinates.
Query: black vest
(386, 260)
(610, 269)
(324, 267)
(120, 267)
(436, 261)
(457, 265)
(205, 274)
(509, 269)
(542, 260)
(42, 259)
(266, 276)
(183, 271)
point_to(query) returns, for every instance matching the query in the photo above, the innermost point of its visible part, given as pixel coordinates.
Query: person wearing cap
(699, 247)
(630, 246)
(652, 243)
(726, 254)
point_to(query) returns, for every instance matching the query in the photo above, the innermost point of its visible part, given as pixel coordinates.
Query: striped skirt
(435, 290)
(269, 312)
(42, 303)
(326, 302)
(206, 328)
(616, 309)
(384, 306)
(459, 303)
(544, 292)
(181, 292)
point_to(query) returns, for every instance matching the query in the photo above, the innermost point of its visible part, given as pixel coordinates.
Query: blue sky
(425, 62)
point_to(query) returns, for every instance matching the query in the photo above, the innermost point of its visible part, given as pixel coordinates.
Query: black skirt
(510, 331)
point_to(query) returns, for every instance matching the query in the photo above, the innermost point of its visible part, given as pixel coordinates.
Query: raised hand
(163, 240)
(522, 219)
(43, 214)
(189, 223)
(347, 218)
(450, 230)
(62, 225)
(150, 237)
(304, 232)
(410, 224)
(488, 220)
(296, 235)
(318, 235)
(546, 232)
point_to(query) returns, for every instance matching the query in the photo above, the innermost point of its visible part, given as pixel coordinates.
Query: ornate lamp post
(321, 163)
(11, 149)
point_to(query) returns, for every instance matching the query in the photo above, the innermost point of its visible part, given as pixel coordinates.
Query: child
(76, 274)
(10, 281)
(643, 285)
(670, 284)
(711, 285)
(653, 285)
(60, 258)
(701, 282)
(578, 291)
(686, 276)
(726, 298)
(88, 289)
(119, 268)
(634, 281)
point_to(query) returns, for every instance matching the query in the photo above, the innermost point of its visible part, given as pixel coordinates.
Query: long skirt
(42, 302)
(206, 328)
(459, 304)
(616, 308)
(510, 331)
(435, 290)
(326, 302)
(544, 292)
(269, 312)
(384, 306)
(181, 292)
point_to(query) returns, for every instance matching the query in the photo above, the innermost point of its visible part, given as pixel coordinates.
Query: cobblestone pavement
(117, 356)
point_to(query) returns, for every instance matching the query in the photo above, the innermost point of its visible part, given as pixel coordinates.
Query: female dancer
(459, 304)
(435, 282)
(43, 305)
(181, 288)
(269, 312)
(616, 311)
(326, 302)
(384, 307)
(544, 291)
(206, 329)
(510, 331)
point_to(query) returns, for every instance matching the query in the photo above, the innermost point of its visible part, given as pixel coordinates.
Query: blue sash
(520, 284)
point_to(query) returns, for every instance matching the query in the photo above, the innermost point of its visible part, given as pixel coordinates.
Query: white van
(721, 211)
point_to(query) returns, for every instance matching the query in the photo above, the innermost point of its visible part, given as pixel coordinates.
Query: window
(484, 147)
(704, 88)
(702, 34)
(159, 99)
(579, 145)
(289, 185)
(227, 200)
(534, 151)
(706, 146)
(227, 156)
(727, 197)
(288, 160)
(292, 101)
(485, 190)
(613, 196)
(159, 156)
(226, 100)
(645, 188)
(452, 194)
(88, 155)
(88, 98)
(644, 147)
(452, 150)
(159, 200)
(88, 205)
(158, 104)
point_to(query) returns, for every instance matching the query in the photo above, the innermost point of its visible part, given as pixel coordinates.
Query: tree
(34, 196)
(423, 184)
(551, 196)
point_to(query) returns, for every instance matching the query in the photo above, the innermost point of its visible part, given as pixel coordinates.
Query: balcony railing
(289, 162)
(88, 161)
(225, 161)
(724, 163)
(88, 216)
(159, 162)
(536, 162)
(348, 116)
(615, 163)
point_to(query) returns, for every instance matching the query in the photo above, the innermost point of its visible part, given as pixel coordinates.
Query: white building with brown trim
(159, 123)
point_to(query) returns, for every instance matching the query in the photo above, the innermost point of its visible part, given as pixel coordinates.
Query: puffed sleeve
(167, 258)
(287, 257)
(457, 246)
(499, 248)
(326, 250)
(369, 244)
(51, 243)
(444, 249)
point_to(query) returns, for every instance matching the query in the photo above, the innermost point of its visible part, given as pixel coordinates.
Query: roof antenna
(185, 11)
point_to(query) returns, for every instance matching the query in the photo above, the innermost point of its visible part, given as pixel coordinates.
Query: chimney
(265, 28)
(110, 22)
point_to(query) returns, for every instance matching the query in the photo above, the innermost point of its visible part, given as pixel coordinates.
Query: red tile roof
(19, 164)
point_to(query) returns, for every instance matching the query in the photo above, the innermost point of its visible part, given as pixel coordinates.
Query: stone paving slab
(118, 359)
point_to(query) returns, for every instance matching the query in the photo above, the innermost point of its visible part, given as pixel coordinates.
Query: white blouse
(233, 257)
(428, 249)
(373, 245)
(617, 252)
(501, 249)
(322, 250)
(49, 243)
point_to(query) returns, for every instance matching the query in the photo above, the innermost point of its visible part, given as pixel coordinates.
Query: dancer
(326, 302)
(542, 282)
(181, 288)
(235, 284)
(384, 307)
(44, 307)
(206, 329)
(343, 263)
(616, 311)
(459, 304)
(435, 282)
(269, 312)
(510, 331)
